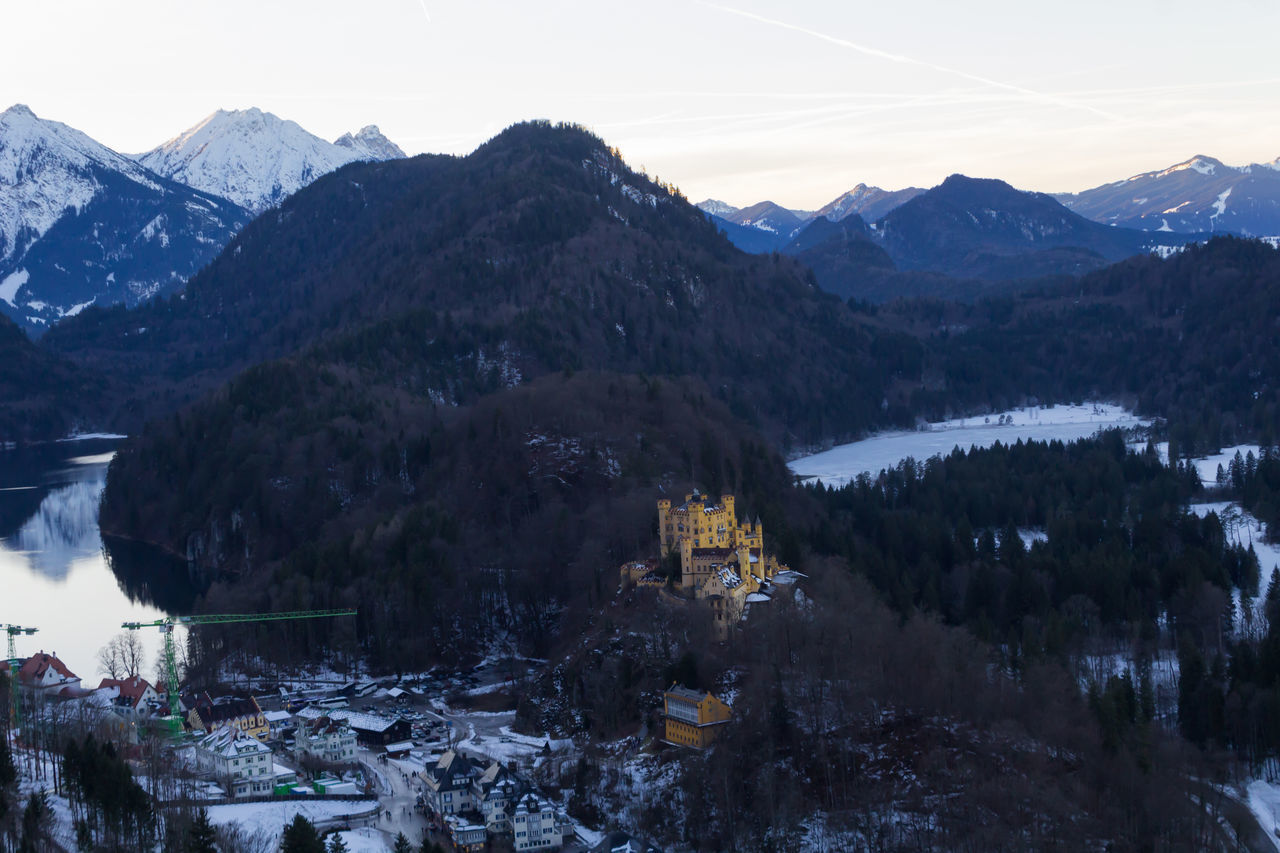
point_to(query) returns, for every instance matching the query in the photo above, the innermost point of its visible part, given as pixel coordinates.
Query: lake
(839, 465)
(55, 571)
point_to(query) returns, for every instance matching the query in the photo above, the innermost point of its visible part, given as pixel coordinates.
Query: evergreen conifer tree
(201, 835)
(336, 844)
(301, 837)
(402, 844)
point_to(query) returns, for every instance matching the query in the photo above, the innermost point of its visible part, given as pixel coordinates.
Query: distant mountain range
(952, 241)
(81, 224)
(1200, 194)
(257, 159)
(767, 227)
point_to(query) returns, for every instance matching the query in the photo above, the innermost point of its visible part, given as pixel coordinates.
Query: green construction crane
(170, 656)
(14, 665)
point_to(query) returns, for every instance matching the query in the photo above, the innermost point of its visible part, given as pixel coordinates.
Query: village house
(279, 723)
(228, 711)
(495, 792)
(46, 673)
(536, 825)
(240, 763)
(327, 741)
(448, 784)
(132, 697)
(467, 837)
(692, 718)
(370, 729)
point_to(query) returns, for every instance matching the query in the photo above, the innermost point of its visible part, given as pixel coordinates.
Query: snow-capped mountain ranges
(1200, 194)
(767, 227)
(965, 228)
(81, 224)
(870, 203)
(257, 159)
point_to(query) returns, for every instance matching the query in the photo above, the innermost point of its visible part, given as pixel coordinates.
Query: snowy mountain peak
(252, 157)
(1199, 163)
(370, 144)
(716, 207)
(46, 167)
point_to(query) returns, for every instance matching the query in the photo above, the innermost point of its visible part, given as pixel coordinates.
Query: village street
(397, 793)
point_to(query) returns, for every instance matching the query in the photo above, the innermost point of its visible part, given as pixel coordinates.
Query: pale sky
(742, 100)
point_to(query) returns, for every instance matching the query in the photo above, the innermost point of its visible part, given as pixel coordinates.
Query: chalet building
(239, 762)
(536, 825)
(46, 673)
(327, 740)
(448, 784)
(133, 697)
(244, 715)
(692, 718)
(495, 792)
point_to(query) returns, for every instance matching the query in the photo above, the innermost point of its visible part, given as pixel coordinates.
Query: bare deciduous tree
(122, 656)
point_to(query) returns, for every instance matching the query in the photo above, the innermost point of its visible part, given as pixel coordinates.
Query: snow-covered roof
(276, 716)
(232, 743)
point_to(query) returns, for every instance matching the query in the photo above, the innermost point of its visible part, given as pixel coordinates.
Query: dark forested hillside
(43, 396)
(1191, 339)
(308, 484)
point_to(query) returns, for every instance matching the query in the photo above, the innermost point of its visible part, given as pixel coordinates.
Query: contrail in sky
(894, 57)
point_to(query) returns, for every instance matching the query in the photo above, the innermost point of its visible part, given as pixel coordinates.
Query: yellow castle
(721, 561)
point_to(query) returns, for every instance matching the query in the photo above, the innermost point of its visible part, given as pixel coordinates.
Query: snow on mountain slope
(254, 158)
(46, 167)
(1199, 194)
(81, 224)
(370, 144)
(871, 203)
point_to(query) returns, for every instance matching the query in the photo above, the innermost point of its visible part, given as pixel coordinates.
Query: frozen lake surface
(839, 465)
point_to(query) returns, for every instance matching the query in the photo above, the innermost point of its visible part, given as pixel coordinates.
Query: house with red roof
(133, 697)
(43, 671)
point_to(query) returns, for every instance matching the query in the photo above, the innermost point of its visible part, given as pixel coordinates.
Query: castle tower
(664, 520)
(687, 580)
(726, 501)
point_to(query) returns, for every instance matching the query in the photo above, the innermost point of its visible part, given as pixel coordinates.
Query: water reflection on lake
(55, 573)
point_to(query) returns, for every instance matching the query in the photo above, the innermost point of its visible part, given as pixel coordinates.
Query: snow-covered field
(269, 819)
(839, 465)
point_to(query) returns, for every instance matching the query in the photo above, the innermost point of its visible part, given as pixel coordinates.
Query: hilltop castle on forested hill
(722, 562)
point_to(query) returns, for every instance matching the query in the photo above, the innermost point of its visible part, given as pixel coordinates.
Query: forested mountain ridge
(542, 244)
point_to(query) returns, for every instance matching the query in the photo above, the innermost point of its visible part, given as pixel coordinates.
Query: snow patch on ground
(840, 465)
(270, 819)
(11, 284)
